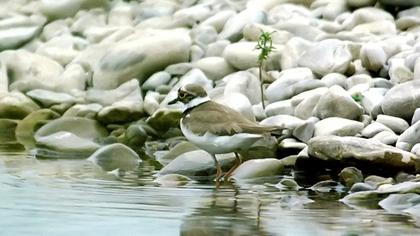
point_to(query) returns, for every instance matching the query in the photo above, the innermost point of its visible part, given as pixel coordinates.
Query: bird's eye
(182, 95)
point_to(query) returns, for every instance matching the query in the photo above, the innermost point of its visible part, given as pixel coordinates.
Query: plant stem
(261, 84)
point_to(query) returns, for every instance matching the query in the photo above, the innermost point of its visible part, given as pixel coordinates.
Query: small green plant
(357, 97)
(265, 45)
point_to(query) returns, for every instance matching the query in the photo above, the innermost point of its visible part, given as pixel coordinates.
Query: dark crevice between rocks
(309, 171)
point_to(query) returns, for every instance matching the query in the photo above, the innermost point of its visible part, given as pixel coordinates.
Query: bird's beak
(173, 101)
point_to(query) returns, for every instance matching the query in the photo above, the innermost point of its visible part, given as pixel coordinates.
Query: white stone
(337, 126)
(232, 29)
(396, 124)
(239, 103)
(327, 56)
(215, 68)
(49, 98)
(280, 108)
(151, 102)
(83, 110)
(373, 129)
(410, 137)
(402, 100)
(373, 56)
(129, 91)
(155, 80)
(219, 19)
(398, 71)
(386, 137)
(67, 8)
(243, 55)
(337, 102)
(244, 82)
(283, 121)
(334, 79)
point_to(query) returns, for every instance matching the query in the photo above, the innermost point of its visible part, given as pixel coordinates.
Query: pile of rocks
(79, 76)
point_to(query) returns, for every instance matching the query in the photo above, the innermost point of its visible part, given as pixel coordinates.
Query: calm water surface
(71, 197)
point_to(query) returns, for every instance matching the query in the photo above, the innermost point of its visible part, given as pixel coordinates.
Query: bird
(216, 128)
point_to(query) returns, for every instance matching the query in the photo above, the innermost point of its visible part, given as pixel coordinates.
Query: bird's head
(191, 95)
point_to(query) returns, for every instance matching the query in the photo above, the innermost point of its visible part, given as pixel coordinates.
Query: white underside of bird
(215, 144)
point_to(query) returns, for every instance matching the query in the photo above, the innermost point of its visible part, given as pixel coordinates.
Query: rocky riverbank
(91, 79)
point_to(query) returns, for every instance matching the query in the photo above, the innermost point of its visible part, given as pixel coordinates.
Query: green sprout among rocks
(265, 45)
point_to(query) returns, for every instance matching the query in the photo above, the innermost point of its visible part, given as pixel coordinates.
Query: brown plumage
(223, 120)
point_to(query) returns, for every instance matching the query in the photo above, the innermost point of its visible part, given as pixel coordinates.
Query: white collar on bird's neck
(195, 102)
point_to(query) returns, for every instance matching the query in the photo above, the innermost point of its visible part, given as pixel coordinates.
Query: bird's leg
(238, 162)
(218, 169)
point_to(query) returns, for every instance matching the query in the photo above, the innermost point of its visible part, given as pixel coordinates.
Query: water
(65, 197)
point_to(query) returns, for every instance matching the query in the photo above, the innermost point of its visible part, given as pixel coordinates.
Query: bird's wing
(220, 120)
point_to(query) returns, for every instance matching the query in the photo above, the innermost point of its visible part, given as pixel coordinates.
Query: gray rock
(373, 56)
(258, 169)
(27, 127)
(398, 71)
(49, 98)
(194, 163)
(27, 71)
(416, 116)
(305, 109)
(216, 49)
(373, 129)
(327, 186)
(172, 180)
(337, 126)
(337, 103)
(243, 82)
(282, 88)
(121, 112)
(8, 128)
(297, 99)
(376, 181)
(113, 64)
(68, 8)
(396, 124)
(15, 31)
(402, 100)
(288, 184)
(280, 108)
(242, 56)
(360, 187)
(372, 100)
(283, 121)
(83, 110)
(164, 119)
(397, 203)
(63, 141)
(196, 53)
(15, 105)
(233, 27)
(306, 131)
(127, 92)
(326, 57)
(151, 102)
(215, 68)
(219, 19)
(409, 138)
(179, 149)
(155, 80)
(115, 156)
(332, 79)
(82, 127)
(342, 148)
(349, 176)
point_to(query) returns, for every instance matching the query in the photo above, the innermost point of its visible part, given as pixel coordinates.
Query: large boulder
(402, 100)
(328, 56)
(195, 163)
(410, 137)
(337, 103)
(82, 127)
(15, 105)
(17, 30)
(136, 56)
(353, 149)
(27, 71)
(115, 156)
(337, 126)
(258, 169)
